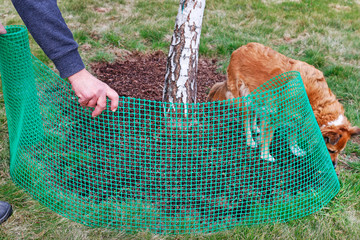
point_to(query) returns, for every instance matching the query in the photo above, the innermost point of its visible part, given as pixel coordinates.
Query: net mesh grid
(141, 169)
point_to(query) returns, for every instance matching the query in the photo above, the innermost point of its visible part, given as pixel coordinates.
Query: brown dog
(252, 65)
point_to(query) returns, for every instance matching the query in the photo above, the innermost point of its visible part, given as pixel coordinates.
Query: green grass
(318, 32)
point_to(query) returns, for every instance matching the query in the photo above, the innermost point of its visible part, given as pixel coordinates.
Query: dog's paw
(257, 138)
(297, 151)
(250, 142)
(267, 157)
(256, 130)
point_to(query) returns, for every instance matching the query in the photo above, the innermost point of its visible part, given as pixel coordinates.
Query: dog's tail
(218, 92)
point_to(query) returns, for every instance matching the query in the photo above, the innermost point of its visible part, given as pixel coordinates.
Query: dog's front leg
(254, 127)
(249, 124)
(266, 135)
(249, 139)
(294, 147)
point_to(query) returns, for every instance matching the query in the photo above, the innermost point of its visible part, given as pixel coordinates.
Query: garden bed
(205, 173)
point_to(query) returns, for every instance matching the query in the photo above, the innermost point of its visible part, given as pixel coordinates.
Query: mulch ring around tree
(143, 75)
(212, 176)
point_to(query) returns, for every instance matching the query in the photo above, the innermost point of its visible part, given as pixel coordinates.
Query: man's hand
(92, 92)
(2, 29)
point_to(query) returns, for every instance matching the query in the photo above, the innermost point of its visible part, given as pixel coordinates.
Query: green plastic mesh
(133, 170)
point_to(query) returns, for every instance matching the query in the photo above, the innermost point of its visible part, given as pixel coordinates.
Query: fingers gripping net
(134, 170)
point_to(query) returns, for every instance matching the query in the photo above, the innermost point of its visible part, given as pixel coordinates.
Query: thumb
(2, 29)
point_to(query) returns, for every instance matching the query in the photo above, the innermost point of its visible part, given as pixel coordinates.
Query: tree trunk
(180, 78)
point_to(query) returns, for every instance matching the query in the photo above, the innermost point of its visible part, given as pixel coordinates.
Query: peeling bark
(182, 62)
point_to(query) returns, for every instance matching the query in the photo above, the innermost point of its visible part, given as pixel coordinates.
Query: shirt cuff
(69, 64)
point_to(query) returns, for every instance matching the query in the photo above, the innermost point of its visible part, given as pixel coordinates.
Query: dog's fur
(253, 64)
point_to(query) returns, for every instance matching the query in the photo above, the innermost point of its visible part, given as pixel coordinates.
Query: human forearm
(46, 24)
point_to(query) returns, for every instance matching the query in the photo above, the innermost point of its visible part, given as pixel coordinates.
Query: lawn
(322, 33)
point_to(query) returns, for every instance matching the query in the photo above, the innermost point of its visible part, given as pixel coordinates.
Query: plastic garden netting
(135, 170)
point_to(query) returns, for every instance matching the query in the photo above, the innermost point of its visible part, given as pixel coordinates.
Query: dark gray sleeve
(46, 24)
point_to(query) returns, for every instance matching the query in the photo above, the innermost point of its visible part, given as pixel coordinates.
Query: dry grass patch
(339, 8)
(279, 1)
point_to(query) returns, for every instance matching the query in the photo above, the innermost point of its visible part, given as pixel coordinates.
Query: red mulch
(142, 76)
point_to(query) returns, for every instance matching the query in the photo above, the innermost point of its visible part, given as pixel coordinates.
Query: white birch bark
(180, 78)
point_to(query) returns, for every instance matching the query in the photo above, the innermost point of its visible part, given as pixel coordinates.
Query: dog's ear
(354, 131)
(331, 137)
